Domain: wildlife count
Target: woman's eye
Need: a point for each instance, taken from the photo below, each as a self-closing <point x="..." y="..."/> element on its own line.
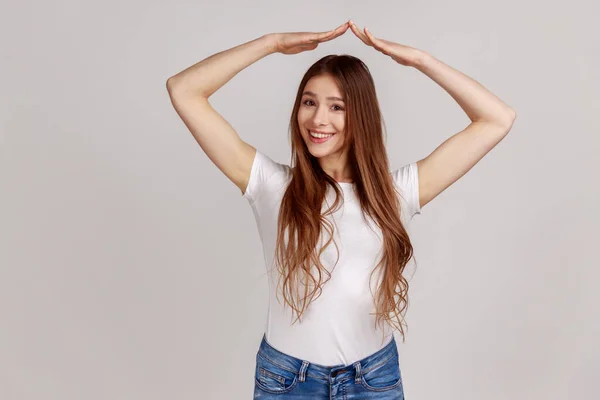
<point x="339" y="108"/>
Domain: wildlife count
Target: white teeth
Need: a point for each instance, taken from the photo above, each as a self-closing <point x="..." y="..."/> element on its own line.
<point x="319" y="135"/>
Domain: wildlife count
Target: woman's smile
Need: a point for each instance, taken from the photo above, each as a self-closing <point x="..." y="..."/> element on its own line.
<point x="319" y="137"/>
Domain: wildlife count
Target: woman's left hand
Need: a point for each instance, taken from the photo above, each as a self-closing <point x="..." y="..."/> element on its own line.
<point x="405" y="55"/>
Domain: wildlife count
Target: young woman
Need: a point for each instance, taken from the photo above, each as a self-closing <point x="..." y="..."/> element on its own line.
<point x="335" y="219"/>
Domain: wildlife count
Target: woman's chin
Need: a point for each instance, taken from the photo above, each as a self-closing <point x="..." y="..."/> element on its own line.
<point x="320" y="153"/>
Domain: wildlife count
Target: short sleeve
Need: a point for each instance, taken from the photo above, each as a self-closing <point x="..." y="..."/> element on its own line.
<point x="407" y="180"/>
<point x="263" y="169"/>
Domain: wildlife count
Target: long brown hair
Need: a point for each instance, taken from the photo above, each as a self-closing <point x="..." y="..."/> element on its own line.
<point x="300" y="220"/>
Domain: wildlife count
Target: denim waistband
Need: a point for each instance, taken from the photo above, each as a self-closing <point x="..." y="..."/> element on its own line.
<point x="328" y="373"/>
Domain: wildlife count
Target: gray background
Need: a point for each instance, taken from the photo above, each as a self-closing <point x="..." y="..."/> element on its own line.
<point x="131" y="268"/>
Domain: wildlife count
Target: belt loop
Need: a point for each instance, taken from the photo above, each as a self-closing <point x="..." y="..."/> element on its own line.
<point x="303" y="370"/>
<point x="358" y="372"/>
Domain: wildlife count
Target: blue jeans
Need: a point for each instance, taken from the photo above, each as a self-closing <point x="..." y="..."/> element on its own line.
<point x="279" y="375"/>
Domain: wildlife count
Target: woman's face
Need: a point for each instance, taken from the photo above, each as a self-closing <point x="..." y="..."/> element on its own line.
<point x="322" y="109"/>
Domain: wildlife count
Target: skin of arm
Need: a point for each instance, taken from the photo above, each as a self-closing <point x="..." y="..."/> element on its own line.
<point x="476" y="101"/>
<point x="491" y="119"/>
<point x="209" y="75"/>
<point x="190" y="90"/>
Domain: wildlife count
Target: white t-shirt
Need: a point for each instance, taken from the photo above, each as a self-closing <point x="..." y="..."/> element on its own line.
<point x="336" y="328"/>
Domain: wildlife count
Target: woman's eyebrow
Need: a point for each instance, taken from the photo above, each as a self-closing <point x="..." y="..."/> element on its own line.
<point x="328" y="98"/>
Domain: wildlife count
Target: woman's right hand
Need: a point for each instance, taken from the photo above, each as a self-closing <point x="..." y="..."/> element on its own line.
<point x="297" y="42"/>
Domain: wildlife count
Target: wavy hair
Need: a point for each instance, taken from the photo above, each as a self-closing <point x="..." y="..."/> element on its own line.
<point x="301" y="221"/>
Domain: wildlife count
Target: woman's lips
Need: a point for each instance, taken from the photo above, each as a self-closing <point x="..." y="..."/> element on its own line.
<point x="319" y="140"/>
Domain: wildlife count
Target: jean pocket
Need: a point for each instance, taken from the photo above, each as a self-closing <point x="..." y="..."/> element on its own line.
<point x="385" y="376"/>
<point x="272" y="378"/>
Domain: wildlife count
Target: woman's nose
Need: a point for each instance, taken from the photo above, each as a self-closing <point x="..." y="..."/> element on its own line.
<point x="320" y="117"/>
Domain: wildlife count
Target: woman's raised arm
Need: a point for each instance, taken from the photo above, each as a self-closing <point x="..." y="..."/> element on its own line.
<point x="190" y="89"/>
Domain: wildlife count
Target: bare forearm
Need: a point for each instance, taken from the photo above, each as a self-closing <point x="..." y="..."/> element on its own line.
<point x="207" y="76"/>
<point x="478" y="103"/>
